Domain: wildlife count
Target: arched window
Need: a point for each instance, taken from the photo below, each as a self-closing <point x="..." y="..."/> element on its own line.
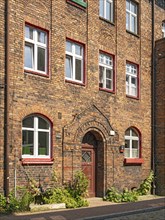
<point x="36" y="137"/>
<point x="132" y="148"/>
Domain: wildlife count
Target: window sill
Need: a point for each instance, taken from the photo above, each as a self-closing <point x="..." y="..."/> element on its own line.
<point x="132" y="97"/>
<point x="108" y="21"/>
<point x="36" y="73"/>
<point x="74" y="82"/>
<point x="133" y="161"/>
<point x="78" y="3"/>
<point x="132" y="33"/>
<point x="106" y="90"/>
<point x="27" y="161"/>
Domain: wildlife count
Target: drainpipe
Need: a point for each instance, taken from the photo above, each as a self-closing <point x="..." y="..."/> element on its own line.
<point x="153" y="94"/>
<point x="6" y="104"/>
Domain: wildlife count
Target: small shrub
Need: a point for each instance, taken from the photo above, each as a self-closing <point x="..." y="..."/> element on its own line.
<point x="79" y="185"/>
<point x="130" y="195"/>
<point x="113" y="195"/>
<point x="2" y="203"/>
<point x="145" y="186"/>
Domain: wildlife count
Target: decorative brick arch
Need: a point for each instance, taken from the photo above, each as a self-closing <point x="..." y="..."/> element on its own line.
<point x="89" y="119"/>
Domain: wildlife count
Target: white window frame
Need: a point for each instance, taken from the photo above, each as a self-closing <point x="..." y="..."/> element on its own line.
<point x="106" y="61"/>
<point x="36" y="131"/>
<point x="35" y="44"/>
<point x="105" y="5"/>
<point x="132" y="15"/>
<point x="163" y="29"/>
<point x="73" y="59"/>
<point x="132" y="73"/>
<point x="132" y="138"/>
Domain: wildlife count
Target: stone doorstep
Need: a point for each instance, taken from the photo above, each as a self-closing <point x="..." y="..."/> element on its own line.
<point x="45" y="207"/>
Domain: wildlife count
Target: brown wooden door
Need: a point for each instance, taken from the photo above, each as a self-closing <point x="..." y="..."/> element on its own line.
<point x="88" y="167"/>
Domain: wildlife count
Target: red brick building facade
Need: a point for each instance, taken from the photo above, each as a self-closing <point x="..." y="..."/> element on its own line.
<point x="75" y="89"/>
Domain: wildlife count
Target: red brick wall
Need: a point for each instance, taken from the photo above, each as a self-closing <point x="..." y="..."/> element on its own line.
<point x="50" y="96"/>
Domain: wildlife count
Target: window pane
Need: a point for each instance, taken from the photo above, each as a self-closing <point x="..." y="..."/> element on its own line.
<point x="133" y="24"/>
<point x="133" y="8"/>
<point x="68" y="46"/>
<point x="108" y="74"/>
<point x="134" y="133"/>
<point x="41" y="37"/>
<point x="133" y="81"/>
<point x="28" y="122"/>
<point x="127" y="133"/>
<point x="108" y="16"/>
<point x="127" y="20"/>
<point x="101" y="8"/>
<point x="135" y="152"/>
<point x="27" y="142"/>
<point x="29" y="32"/>
<point x="101" y="71"/>
<point x="28" y="56"/>
<point x="68" y="67"/>
<point x="108" y="84"/>
<point x="127" y="148"/>
<point x="78" y="70"/>
<point x="128" y="4"/>
<point x="43" y="143"/>
<point x="78" y="49"/>
<point x="41" y="59"/>
<point x="43" y="124"/>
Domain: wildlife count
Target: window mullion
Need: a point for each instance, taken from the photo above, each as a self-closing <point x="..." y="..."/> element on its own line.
<point x="35" y="136"/>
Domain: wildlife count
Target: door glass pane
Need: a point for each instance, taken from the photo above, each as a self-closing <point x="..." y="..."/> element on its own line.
<point x="43" y="143"/>
<point x="86" y="156"/>
<point x="78" y="70"/>
<point x="28" y="122"/>
<point x="41" y="59"/>
<point x="68" y="66"/>
<point x="28" y="57"/>
<point x="27" y="142"/>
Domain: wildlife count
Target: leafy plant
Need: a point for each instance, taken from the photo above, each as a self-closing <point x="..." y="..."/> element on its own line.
<point x="78" y="187"/>
<point x="145" y="186"/>
<point x="130" y="195"/>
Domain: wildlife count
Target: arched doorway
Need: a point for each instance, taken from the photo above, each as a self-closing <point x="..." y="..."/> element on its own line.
<point x="93" y="162"/>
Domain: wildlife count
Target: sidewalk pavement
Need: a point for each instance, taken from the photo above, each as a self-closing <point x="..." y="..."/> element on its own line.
<point x="98" y="210"/>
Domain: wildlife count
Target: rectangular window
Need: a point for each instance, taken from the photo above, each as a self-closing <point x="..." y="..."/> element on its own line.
<point x="131" y="16"/>
<point x="74" y="62"/>
<point x="132" y="80"/>
<point x="106" y="9"/>
<point x="106" y="71"/>
<point x="35" y="52"/>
